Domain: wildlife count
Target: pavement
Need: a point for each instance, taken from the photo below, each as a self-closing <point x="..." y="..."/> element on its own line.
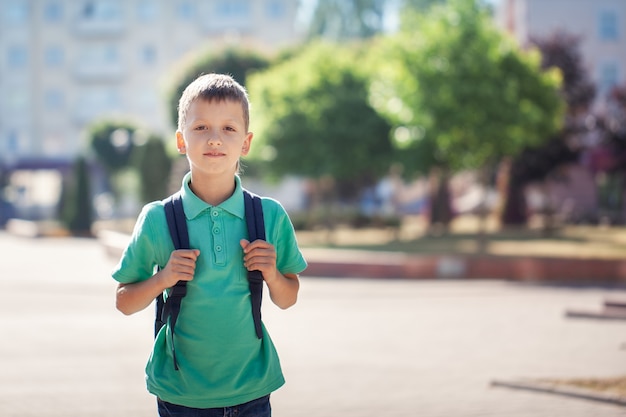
<point x="352" y="346"/>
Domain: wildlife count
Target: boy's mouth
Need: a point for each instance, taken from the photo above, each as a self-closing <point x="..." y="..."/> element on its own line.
<point x="213" y="153"/>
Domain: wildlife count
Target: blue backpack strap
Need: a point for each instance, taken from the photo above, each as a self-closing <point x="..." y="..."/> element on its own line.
<point x="177" y="224"/>
<point x="256" y="230"/>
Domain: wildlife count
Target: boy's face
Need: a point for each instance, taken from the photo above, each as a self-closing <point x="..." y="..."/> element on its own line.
<point x="214" y="136"/>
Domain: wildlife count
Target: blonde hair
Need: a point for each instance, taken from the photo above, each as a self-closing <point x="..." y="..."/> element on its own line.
<point x="213" y="87"/>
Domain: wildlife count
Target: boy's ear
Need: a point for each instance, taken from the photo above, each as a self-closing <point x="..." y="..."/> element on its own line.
<point x="180" y="143"/>
<point x="246" y="144"/>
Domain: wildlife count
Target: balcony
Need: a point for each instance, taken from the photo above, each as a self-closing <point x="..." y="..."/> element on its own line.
<point x="88" y="72"/>
<point x="85" y="27"/>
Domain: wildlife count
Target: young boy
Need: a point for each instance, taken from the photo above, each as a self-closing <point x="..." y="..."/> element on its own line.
<point x="223" y="367"/>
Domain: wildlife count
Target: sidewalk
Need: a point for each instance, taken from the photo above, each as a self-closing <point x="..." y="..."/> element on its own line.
<point x="352" y="347"/>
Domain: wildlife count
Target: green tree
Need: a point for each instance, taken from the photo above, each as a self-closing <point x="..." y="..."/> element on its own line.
<point x="112" y="142"/>
<point x="234" y="61"/>
<point x="419" y="5"/>
<point x="312" y="118"/>
<point x="347" y="19"/>
<point x="410" y="6"/>
<point x="461" y="95"/>
<point x="153" y="165"/>
<point x="77" y="210"/>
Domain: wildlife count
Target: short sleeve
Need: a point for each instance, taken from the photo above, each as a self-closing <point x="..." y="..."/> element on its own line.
<point x="289" y="258"/>
<point x="145" y="250"/>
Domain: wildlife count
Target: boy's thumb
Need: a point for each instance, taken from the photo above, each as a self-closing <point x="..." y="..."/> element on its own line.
<point x="244" y="243"/>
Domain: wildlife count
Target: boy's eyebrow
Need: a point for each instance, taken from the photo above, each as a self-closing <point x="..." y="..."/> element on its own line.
<point x="200" y="119"/>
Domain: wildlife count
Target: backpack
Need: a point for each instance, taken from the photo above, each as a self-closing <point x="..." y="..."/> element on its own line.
<point x="177" y="224"/>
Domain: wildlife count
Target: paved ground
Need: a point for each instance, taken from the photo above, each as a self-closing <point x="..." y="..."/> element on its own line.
<point x="350" y="347"/>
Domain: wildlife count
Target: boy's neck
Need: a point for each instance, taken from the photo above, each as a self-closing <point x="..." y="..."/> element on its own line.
<point x="213" y="191"/>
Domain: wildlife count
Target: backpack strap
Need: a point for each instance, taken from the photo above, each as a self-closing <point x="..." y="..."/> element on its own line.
<point x="177" y="224"/>
<point x="170" y="307"/>
<point x="256" y="230"/>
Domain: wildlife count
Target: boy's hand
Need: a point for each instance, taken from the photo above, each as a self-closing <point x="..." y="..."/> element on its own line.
<point x="180" y="267"/>
<point x="260" y="255"/>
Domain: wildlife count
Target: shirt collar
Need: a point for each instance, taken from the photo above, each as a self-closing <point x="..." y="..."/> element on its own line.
<point x="194" y="206"/>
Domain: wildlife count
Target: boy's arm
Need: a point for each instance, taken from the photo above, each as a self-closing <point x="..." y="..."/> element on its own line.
<point x="261" y="255"/>
<point x="134" y="297"/>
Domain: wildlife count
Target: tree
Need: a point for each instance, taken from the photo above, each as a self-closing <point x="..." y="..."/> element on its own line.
<point x="615" y="118"/>
<point x="611" y="125"/>
<point x="312" y="118"/>
<point x="236" y="62"/>
<point x="461" y="95"/>
<point x="153" y="165"/>
<point x="535" y="163"/>
<point x="77" y="210"/>
<point x="339" y="20"/>
<point x="562" y="50"/>
<point x="419" y="5"/>
<point x="112" y="143"/>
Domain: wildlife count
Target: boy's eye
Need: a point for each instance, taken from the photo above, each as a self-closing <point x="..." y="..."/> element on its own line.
<point x="230" y="128"/>
<point x="201" y="127"/>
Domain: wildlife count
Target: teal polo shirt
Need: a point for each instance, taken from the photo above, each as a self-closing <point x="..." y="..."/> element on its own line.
<point x="221" y="361"/>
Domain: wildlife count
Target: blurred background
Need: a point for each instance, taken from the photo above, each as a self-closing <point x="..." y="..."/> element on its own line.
<point x="366" y="113"/>
<point x="391" y="125"/>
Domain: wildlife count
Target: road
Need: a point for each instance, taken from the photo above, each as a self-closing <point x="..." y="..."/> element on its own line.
<point x="350" y="347"/>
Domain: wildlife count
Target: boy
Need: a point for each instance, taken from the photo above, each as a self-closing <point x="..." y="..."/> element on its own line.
<point x="223" y="367"/>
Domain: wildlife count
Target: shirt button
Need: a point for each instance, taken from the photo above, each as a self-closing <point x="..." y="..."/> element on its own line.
<point x="218" y="248"/>
<point x="215" y="213"/>
<point x="216" y="231"/>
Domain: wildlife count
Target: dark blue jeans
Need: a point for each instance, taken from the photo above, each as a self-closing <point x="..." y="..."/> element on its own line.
<point x="255" y="408"/>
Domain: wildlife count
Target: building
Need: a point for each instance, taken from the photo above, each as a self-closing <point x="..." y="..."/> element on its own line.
<point x="601" y="24"/>
<point x="66" y="63"/>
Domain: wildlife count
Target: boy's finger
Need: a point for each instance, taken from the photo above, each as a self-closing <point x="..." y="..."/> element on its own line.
<point x="189" y="253"/>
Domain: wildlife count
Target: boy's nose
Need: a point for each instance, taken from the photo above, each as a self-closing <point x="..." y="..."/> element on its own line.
<point x="214" y="139"/>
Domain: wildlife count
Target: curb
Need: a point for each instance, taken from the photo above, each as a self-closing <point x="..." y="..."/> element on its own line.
<point x="345" y="263"/>
<point x="560" y="389"/>
<point x="365" y="264"/>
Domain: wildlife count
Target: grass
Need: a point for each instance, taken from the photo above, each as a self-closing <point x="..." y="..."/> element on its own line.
<point x="464" y="237"/>
<point x="610" y="386"/>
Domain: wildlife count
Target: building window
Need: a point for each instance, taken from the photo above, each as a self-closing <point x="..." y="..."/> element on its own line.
<point x="13" y="143"/>
<point x="235" y="9"/>
<point x="147" y="11"/>
<point x="608" y="77"/>
<point x="185" y="10"/>
<point x="17" y="57"/>
<point x="15" y="11"/>
<point x="148" y="55"/>
<point x="100" y="100"/>
<point x="110" y="54"/>
<point x="53" y="11"/>
<point x="54" y="56"/>
<point x="275" y="9"/>
<point x="54" y="99"/>
<point x="607" y="26"/>
<point x="100" y="55"/>
<point x="101" y="10"/>
<point x="17" y="100"/>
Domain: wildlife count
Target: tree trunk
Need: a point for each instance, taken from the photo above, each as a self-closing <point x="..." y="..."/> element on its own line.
<point x="513" y="208"/>
<point x="440" y="204"/>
